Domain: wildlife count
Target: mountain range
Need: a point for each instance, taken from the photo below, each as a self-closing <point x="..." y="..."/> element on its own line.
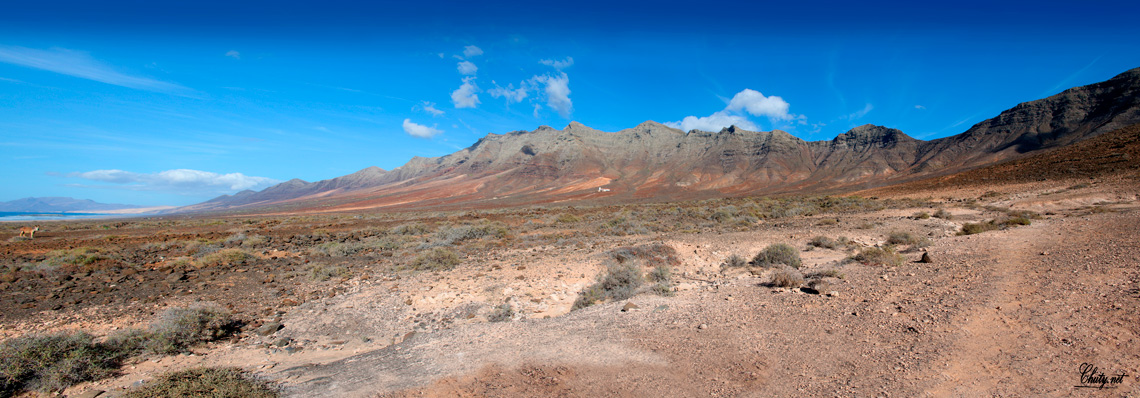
<point x="59" y="205"/>
<point x="655" y="162"/>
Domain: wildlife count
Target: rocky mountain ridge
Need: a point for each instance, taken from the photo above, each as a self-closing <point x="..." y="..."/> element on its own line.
<point x="655" y="162"/>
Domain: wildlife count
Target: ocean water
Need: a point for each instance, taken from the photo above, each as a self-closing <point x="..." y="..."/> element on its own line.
<point x="18" y="216"/>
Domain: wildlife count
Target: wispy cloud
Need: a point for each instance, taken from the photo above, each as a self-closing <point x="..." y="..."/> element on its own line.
<point x="512" y="94"/>
<point x="233" y="54"/>
<point x="860" y="113"/>
<point x="560" y="65"/>
<point x="419" y="130"/>
<point x="179" y="181"/>
<point x="429" y="107"/>
<point x="82" y="65"/>
<point x="919" y="107"/>
<point x="747" y="102"/>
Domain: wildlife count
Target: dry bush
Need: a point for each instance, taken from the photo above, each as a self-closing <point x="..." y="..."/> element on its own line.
<point x="735" y="261"/>
<point x="654" y="253"/>
<point x="977" y="228"/>
<point x="323" y="272"/>
<point x="227" y="258"/>
<point x="943" y="214"/>
<point x="907" y="238"/>
<point x="824" y="242"/>
<point x="787" y="277"/>
<point x="879" y="256"/>
<point x="922" y="215"/>
<point x="205" y="382"/>
<point x="437" y="259"/>
<point x="176" y="329"/>
<point x="776" y="254"/>
<point x="415" y="228"/>
<point x="502" y="313"/>
<point x="53" y="362"/>
<point x="619" y="281"/>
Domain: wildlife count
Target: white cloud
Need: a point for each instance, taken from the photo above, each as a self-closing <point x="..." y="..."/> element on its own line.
<point x="233" y="54"/>
<point x="757" y="104"/>
<point x="919" y="107"/>
<point x="181" y="181"/>
<point x="747" y="102"/>
<point x="82" y="65"/>
<point x="557" y="92"/>
<point x="467" y="68"/>
<point x="429" y="107"/>
<point x="419" y="130"/>
<point x="471" y="51"/>
<point x="560" y="65"/>
<point x="512" y="94"/>
<point x="714" y="122"/>
<point x="466" y="95"/>
<point x="860" y="113"/>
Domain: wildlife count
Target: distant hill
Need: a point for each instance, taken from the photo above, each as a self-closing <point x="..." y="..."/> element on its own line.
<point x="655" y="162"/>
<point x="60" y="204"/>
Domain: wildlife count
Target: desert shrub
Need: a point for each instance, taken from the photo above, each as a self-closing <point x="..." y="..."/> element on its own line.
<point x="1028" y="214"/>
<point x="943" y="214"/>
<point x="787" y="277"/>
<point x="778" y="253"/>
<point x="824" y="242"/>
<point x="654" y="253"/>
<point x="566" y="218"/>
<point x="619" y="281"/>
<point x="827" y="221"/>
<point x="410" y="229"/>
<point x="53" y="362"/>
<point x="1078" y="186"/>
<point x="880" y="256"/>
<point x="922" y="215"/>
<point x="323" y="272"/>
<point x="437" y="259"/>
<point x="662" y="278"/>
<point x="907" y="238"/>
<point x="1016" y="221"/>
<point x="832" y="273"/>
<point x="178" y="328"/>
<point x="735" y="261"/>
<point x="977" y="228"/>
<point x="227" y="258"/>
<point x="82" y="256"/>
<point x="724" y="214"/>
<point x="501" y="313"/>
<point x="621" y="226"/>
<point x="236" y="239"/>
<point x="453" y="235"/>
<point x="205" y="382"/>
<point x="867" y="225"/>
<point x="254" y="241"/>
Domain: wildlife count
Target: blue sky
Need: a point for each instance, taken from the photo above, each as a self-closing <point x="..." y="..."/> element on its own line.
<point x="174" y="103"/>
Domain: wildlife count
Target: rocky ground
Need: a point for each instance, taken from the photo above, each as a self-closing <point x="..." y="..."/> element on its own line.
<point x="1007" y="312"/>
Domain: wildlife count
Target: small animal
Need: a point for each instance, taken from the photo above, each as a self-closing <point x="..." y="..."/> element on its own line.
<point x="30" y="231"/>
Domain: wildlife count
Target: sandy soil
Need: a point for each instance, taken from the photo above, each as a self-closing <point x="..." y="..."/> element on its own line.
<point x="1013" y="312"/>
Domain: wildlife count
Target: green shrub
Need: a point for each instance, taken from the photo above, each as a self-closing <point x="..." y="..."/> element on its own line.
<point x="884" y="256"/>
<point x="437" y="259"/>
<point x="82" y="256"/>
<point x="787" y="277"/>
<point x="1019" y="220"/>
<point x="778" y="253"/>
<point x="461" y="233"/>
<point x="620" y="281"/>
<point x="53" y="362"/>
<point x="179" y="328"/>
<point x="227" y="258"/>
<point x="922" y="215"/>
<point x="205" y="382"/>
